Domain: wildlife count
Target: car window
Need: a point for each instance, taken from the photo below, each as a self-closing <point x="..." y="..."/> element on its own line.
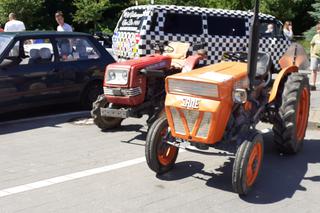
<point x="76" y="49"/>
<point x="183" y="24"/>
<point x="14" y="52"/>
<point x="37" y="51"/>
<point x="4" y="43"/>
<point x="267" y="29"/>
<point x="226" y="26"/>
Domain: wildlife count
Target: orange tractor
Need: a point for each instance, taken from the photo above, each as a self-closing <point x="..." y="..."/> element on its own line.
<point x="223" y="103"/>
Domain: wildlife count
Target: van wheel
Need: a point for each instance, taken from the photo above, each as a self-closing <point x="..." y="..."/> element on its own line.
<point x="102" y="122"/>
<point x="160" y="156"/>
<point x="90" y="94"/>
<point x="247" y="163"/>
<point x="291" y="123"/>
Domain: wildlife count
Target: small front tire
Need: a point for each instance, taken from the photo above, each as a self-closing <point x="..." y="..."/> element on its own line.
<point x="160" y="156"/>
<point x="103" y="123"/>
<point x="247" y="163"/>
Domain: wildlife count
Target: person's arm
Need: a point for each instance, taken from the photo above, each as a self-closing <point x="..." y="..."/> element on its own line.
<point x="5" y="28"/>
<point x="23" y="27"/>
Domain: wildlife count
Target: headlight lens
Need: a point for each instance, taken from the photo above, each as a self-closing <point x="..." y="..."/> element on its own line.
<point x="193" y="88"/>
<point x="115" y="76"/>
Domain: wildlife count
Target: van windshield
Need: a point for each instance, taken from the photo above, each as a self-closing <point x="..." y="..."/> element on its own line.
<point x="4" y="41"/>
<point x="131" y="20"/>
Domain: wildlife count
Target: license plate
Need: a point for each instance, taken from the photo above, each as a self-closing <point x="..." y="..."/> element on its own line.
<point x="190" y="103"/>
<point x="114" y="113"/>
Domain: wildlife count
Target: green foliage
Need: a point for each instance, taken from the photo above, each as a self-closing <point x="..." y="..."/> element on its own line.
<point x="89" y="11"/>
<point x="89" y="15"/>
<point x="25" y="10"/>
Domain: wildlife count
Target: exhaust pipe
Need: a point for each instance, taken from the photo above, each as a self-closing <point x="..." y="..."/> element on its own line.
<point x="253" y="45"/>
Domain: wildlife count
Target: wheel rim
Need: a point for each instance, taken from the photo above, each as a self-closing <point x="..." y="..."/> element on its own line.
<point x="254" y="164"/>
<point x="302" y="114"/>
<point x="165" y="152"/>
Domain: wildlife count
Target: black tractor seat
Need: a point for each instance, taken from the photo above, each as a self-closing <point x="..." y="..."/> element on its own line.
<point x="263" y="64"/>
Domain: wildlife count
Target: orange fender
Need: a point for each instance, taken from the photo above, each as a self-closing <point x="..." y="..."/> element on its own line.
<point x="284" y="72"/>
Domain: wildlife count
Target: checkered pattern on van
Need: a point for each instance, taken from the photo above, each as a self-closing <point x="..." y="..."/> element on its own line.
<point x="215" y="45"/>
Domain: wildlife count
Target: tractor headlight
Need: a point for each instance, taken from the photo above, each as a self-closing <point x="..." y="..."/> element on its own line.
<point x="240" y="96"/>
<point x="193" y="88"/>
<point x="117" y="76"/>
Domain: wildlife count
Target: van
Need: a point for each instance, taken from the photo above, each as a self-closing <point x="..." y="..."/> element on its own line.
<point x="221" y="31"/>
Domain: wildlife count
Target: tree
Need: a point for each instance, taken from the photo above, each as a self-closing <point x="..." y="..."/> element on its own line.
<point x="26" y="11"/>
<point x="89" y="11"/>
<point x="315" y="14"/>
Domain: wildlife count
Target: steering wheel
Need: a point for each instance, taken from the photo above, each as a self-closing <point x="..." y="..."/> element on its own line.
<point x="236" y="56"/>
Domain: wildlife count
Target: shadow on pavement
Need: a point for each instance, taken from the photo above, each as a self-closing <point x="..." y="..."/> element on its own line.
<point x="280" y="177"/>
<point x="182" y="170"/>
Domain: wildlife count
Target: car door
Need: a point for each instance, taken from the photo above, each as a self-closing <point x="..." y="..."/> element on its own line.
<point x="79" y="61"/>
<point x="35" y="74"/>
<point x="10" y="96"/>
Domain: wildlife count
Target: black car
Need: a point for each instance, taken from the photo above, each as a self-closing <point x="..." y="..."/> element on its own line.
<point x="41" y="68"/>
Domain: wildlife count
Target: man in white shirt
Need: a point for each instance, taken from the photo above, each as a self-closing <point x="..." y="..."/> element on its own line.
<point x="14" y="25"/>
<point x="62" y="27"/>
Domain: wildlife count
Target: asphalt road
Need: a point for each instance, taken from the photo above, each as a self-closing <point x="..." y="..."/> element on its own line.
<point x="61" y="164"/>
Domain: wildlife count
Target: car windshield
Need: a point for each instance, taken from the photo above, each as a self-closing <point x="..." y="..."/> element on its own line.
<point x="4" y="41"/>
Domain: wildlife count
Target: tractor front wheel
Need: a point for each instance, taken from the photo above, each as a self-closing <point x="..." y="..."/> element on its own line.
<point x="247" y="163"/>
<point x="160" y="156"/>
<point x="291" y="123"/>
<point x="102" y="122"/>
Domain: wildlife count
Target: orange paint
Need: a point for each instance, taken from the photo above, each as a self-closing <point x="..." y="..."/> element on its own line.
<point x="280" y="77"/>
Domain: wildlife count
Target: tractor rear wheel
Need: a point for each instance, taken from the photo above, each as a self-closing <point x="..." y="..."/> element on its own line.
<point x="102" y="122"/>
<point x="247" y="164"/>
<point x="160" y="156"/>
<point x="291" y="123"/>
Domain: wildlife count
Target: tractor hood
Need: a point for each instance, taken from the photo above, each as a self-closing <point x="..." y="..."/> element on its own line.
<point x="199" y="103"/>
<point x="217" y="73"/>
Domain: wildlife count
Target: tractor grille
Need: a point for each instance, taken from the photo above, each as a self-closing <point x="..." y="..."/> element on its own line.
<point x="205" y="125"/>
<point x="178" y="125"/>
<point x="122" y="92"/>
<point x="191" y="117"/>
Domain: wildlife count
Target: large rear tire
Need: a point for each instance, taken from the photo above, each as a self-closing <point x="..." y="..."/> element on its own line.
<point x="291" y="124"/>
<point x="160" y="156"/>
<point x="103" y="123"/>
<point x="247" y="164"/>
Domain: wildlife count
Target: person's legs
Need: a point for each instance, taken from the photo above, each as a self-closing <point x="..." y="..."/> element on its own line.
<point x="314" y="67"/>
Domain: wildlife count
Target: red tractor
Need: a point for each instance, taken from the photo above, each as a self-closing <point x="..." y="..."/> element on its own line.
<point x="136" y="87"/>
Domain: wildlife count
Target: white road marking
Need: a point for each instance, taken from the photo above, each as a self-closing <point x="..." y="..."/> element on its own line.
<point x="69" y="177"/>
<point x="77" y="175"/>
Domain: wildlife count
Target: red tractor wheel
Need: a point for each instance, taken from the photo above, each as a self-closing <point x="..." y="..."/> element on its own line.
<point x="160" y="156"/>
<point x="247" y="163"/>
<point x="291" y="124"/>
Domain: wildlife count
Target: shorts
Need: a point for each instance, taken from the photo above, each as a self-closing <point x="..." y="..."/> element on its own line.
<point x="315" y="64"/>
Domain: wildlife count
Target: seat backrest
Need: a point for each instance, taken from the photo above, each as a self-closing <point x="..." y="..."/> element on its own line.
<point x="81" y="49"/>
<point x="34" y="55"/>
<point x="263" y="64"/>
<point x="180" y="50"/>
<point x="45" y="53"/>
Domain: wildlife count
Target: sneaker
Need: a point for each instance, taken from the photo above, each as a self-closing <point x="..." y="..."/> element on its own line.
<point x="313" y="88"/>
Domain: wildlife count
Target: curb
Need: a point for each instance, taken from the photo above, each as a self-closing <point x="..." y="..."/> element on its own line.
<point x="314" y="125"/>
<point x="55" y="116"/>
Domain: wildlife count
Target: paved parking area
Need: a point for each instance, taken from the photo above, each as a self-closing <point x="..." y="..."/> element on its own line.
<point x="53" y="165"/>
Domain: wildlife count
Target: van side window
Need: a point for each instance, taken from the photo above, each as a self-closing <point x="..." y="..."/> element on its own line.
<point x="153" y="22"/>
<point x="267" y="29"/>
<point x="183" y="24"/>
<point x="226" y="26"/>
